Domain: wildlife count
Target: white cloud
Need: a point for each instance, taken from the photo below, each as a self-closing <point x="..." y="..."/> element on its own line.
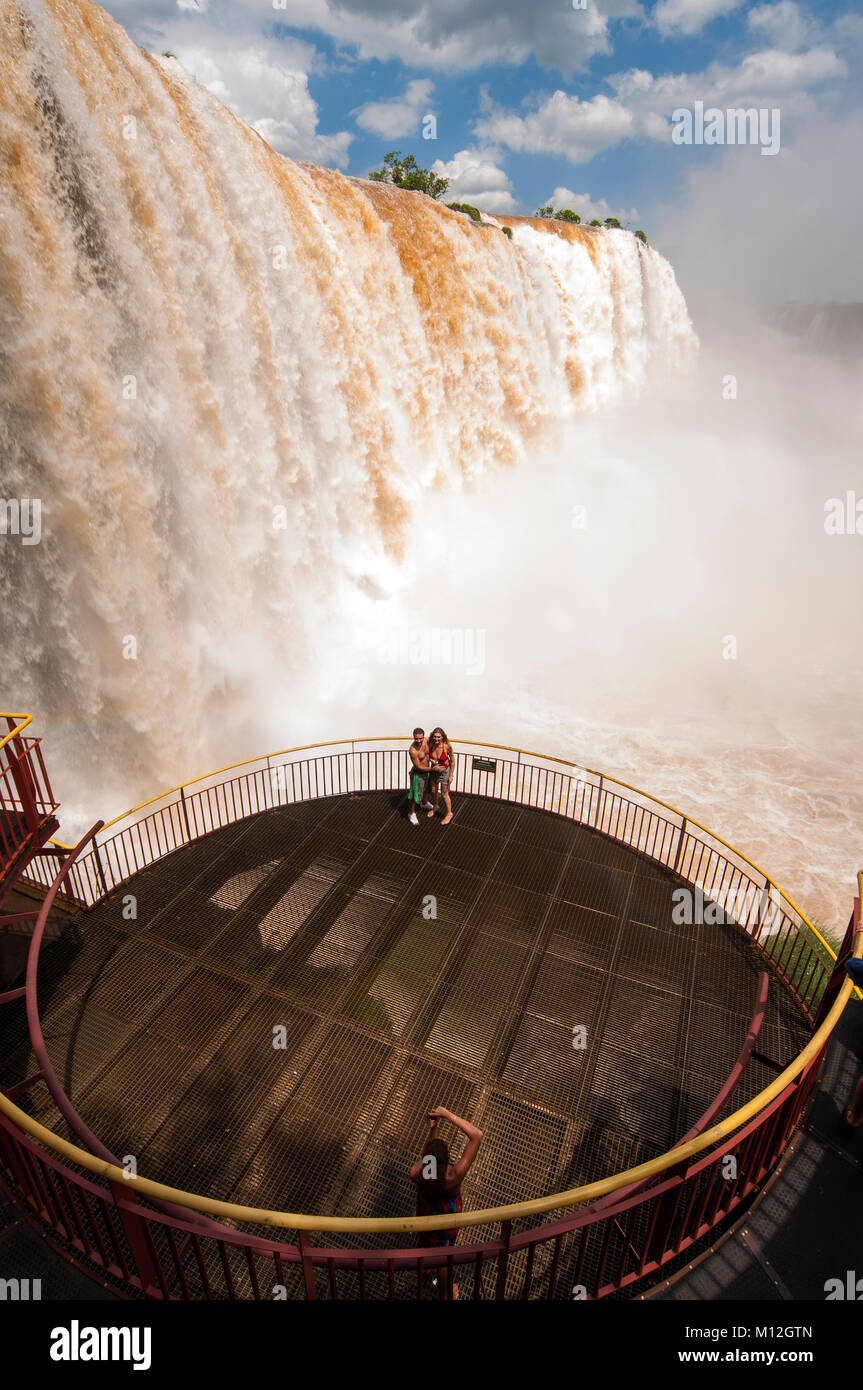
<point x="774" y="73"/>
<point x="770" y="229"/>
<point x="288" y="138"/>
<point x="450" y="34"/>
<point x="396" y="117"/>
<point x="848" y="30"/>
<point x="761" y="79"/>
<point x="642" y="104"/>
<point x="474" y="177"/>
<point x="562" y="124"/>
<point x="689" y="16"/>
<point x="788" y="26"/>
<point x="266" y="80"/>
<point x="268" y="88"/>
<point x="587" y="209"/>
<point x="431" y="34"/>
<point x="147" y="24"/>
<point x="784" y="25"/>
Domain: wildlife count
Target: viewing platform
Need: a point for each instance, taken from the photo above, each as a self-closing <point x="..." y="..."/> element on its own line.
<point x="273" y="976"/>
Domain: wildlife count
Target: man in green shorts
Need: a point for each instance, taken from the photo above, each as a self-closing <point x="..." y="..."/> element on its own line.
<point x="419" y="751"/>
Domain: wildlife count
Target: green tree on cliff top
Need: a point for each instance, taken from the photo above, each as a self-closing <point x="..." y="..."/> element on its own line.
<point x="404" y="172"/>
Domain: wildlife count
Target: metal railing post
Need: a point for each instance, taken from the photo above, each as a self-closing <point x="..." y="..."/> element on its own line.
<point x="308" y="1267"/>
<point x="135" y="1233"/>
<point x="503" y="1261"/>
<point x="598" y="816"/>
<point x="14" y="1154"/>
<point x="662" y="1222"/>
<point x="185" y="814"/>
<point x="763" y="901"/>
<point x="102" y="877"/>
<point x="679" y="845"/>
<point x="18" y="762"/>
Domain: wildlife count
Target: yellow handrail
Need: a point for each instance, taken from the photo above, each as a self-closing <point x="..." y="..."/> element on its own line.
<point x="513" y="1211"/>
<point x="500" y="747"/>
<point x="536" y="1207"/>
<point x="13" y="733"/>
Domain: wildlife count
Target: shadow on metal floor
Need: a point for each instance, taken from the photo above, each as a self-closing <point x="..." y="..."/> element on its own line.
<point x="397" y="967"/>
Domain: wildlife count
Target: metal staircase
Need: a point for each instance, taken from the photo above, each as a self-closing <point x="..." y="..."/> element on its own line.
<point x="27" y="814"/>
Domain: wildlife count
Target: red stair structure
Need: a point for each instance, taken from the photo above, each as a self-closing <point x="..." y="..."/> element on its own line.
<point x="27" y="810"/>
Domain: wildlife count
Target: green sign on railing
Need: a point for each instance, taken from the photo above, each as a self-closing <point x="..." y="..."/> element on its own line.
<point x="485" y="764"/>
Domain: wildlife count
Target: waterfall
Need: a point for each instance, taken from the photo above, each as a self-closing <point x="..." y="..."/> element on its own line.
<point x="232" y="379"/>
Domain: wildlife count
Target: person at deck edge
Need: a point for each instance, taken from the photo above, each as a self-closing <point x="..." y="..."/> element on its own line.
<point x="438" y="1180"/>
<point x="419" y="754"/>
<point x="441" y="762"/>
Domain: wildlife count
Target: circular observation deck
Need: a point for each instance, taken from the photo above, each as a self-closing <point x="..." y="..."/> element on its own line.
<point x="265" y="1013"/>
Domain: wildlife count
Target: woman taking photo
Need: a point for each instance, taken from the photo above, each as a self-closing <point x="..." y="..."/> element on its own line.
<point x="439" y="1180"/>
<point x="441" y="761"/>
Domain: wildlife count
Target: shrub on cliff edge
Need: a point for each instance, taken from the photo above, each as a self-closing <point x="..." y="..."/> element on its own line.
<point x="404" y="172"/>
<point x="472" y="212"/>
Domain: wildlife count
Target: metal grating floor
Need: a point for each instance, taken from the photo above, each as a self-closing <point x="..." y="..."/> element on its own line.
<point x="298" y="989"/>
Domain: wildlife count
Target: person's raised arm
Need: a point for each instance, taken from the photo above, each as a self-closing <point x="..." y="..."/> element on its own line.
<point x="474" y="1136"/>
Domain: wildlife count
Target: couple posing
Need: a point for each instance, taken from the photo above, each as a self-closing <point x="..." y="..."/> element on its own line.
<point x="432" y="761"/>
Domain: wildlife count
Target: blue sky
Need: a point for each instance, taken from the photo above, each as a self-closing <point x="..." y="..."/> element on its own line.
<point x="535" y="100"/>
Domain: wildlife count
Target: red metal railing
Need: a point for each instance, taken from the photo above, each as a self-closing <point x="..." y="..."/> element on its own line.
<point x="27" y="803"/>
<point x="46" y="1073"/>
<point x="605" y="1247"/>
<point x="589" y="1254"/>
<point x="645" y="1218"/>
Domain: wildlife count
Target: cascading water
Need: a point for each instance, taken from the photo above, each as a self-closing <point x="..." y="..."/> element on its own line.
<point x="231" y="378"/>
<point x="271" y="412"/>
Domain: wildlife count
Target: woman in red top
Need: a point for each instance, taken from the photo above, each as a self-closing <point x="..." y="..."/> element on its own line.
<point x="441" y="760"/>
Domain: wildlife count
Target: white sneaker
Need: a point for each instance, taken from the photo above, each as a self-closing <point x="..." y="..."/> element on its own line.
<point x="427" y="806"/>
<point x="413" y="818"/>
